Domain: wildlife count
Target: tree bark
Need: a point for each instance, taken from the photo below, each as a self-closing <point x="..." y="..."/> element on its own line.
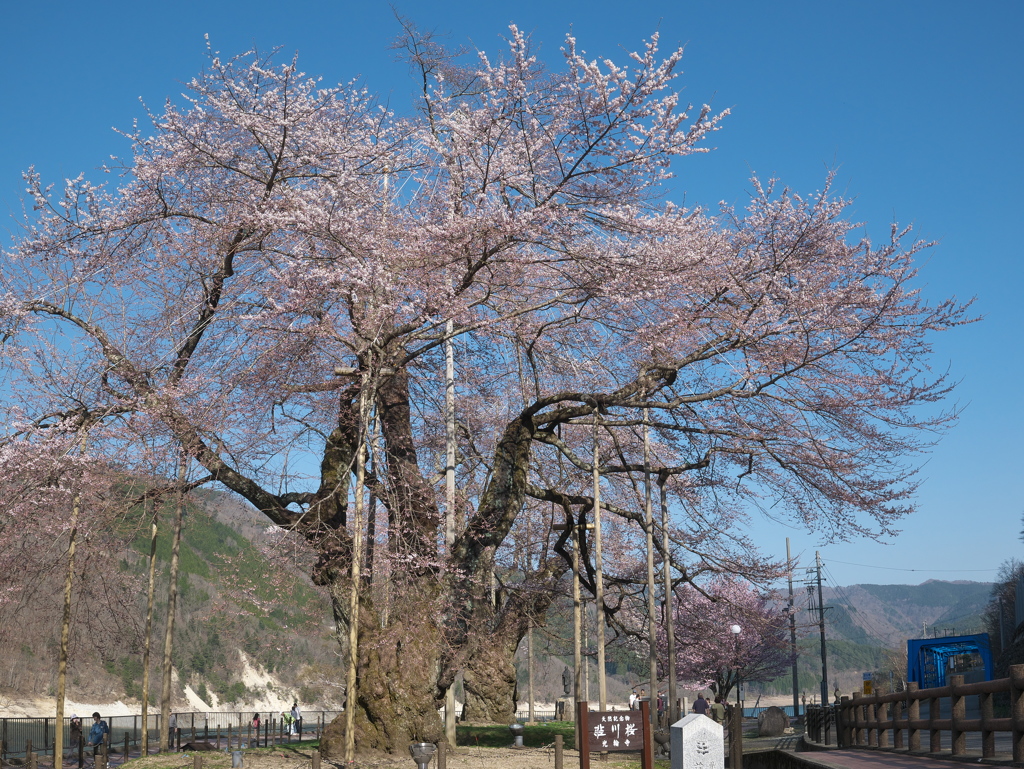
<point x="398" y="696"/>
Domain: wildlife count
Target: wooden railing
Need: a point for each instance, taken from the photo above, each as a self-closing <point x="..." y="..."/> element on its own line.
<point x="868" y="721"/>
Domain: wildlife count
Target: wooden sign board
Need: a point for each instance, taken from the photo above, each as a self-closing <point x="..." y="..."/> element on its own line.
<point x="616" y="731"/>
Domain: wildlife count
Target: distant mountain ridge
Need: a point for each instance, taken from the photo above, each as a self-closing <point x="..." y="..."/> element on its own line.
<point x="887" y="615"/>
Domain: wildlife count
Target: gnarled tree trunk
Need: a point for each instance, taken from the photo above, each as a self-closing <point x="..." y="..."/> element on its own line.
<point x="397" y="697"/>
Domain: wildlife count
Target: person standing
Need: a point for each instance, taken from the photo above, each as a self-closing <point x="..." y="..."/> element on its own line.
<point x="75" y="735"/>
<point x="296" y="719"/>
<point x="632" y="700"/>
<point x="97" y="733"/>
<point x="701" y="705"/>
<point x="718" y="711"/>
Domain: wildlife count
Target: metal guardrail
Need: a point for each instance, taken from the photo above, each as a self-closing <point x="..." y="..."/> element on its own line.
<point x="18" y="733"/>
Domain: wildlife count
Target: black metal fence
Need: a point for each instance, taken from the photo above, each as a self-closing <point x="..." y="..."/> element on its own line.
<point x="223" y="730"/>
<point x="820" y="723"/>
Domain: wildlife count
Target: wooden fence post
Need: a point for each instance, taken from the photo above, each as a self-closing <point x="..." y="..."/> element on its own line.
<point x="958" y="712"/>
<point x="126" y="743"/>
<point x="870" y="717"/>
<point x="913" y="714"/>
<point x="988" y="737"/>
<point x="316" y="760"/>
<point x="882" y="715"/>
<point x="46" y="734"/>
<point x="442" y="755"/>
<point x="1017" y="710"/>
<point x="229" y="735"/>
<point x="858" y="734"/>
<point x="197" y="761"/>
<point x="896" y="713"/>
<point x="558" y="751"/>
<point x="934" y="735"/>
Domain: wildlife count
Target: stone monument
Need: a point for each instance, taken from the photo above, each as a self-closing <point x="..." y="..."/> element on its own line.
<point x="772" y="722"/>
<point x="697" y="743"/>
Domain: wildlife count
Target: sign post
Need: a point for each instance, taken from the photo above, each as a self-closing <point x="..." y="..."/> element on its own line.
<point x="615" y="731"/>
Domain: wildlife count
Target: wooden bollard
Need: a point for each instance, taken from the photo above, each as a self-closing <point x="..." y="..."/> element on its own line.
<point x="558" y="751"/>
<point x="126" y="743"/>
<point x="266" y="733"/>
<point x="229" y="736"/>
<point x="316" y="759"/>
<point x="33" y="760"/>
<point x="442" y="755"/>
<point x="197" y="761"/>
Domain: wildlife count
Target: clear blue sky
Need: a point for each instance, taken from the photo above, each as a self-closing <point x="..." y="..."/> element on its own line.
<point x="918" y="105"/>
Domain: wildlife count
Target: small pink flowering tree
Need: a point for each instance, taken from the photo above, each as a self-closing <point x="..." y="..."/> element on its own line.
<point x="268" y="280"/>
<point x="708" y="654"/>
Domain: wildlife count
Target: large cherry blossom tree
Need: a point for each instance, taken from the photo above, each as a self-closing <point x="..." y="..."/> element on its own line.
<point x="267" y="280"/>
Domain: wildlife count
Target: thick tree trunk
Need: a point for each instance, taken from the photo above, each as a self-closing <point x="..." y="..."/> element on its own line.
<point x="397" y="698"/>
<point x="490" y="680"/>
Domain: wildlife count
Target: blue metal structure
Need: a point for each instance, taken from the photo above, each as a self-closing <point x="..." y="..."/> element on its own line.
<point x="928" y="658"/>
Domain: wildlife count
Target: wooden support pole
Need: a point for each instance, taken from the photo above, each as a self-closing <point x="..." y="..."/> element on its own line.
<point x="736" y="741"/>
<point x="647" y="754"/>
<point x="582" y="738"/>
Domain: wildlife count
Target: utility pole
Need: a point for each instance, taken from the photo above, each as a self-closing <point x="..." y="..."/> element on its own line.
<point x="792" y="633"/>
<point x="821" y="626"/>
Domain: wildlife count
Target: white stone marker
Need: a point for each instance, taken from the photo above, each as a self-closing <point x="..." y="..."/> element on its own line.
<point x="697" y="743"/>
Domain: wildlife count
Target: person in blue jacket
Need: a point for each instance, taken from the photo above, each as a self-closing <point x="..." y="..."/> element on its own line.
<point x="97" y="733"/>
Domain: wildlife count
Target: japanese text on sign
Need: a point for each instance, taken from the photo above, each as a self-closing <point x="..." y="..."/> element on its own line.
<point x="615" y="730"/>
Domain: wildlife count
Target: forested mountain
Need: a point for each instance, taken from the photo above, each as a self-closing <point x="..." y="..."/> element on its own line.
<point x="250" y="626"/>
